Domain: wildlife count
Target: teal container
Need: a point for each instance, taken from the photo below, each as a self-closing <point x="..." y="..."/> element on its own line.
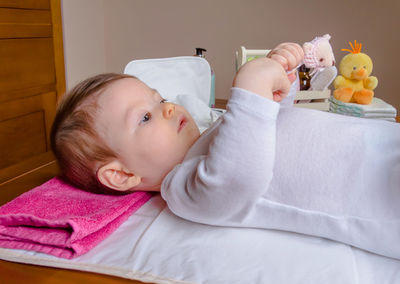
<point x="199" y="53"/>
<point x="212" y="93"/>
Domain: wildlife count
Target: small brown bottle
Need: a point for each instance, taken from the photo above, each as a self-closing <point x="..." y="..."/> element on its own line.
<point x="304" y="77"/>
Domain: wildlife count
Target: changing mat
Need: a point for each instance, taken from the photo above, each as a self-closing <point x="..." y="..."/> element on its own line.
<point x="154" y="245"/>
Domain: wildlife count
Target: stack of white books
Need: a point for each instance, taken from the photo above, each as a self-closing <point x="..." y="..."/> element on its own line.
<point x="378" y="109"/>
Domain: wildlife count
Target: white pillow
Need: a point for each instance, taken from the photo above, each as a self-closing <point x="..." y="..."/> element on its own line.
<point x="175" y="75"/>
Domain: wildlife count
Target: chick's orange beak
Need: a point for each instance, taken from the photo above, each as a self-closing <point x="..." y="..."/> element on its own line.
<point x="359" y="74"/>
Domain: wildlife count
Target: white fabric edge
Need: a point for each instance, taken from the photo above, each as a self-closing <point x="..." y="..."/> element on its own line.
<point x="15" y="255"/>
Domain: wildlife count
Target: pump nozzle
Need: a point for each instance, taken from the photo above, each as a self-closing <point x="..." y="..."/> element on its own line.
<point x="199" y="51"/>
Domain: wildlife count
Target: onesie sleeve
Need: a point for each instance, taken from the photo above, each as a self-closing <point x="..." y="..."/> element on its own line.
<point x="221" y="186"/>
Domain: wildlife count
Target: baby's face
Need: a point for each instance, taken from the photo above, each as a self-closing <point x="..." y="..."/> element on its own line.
<point x="149" y="135"/>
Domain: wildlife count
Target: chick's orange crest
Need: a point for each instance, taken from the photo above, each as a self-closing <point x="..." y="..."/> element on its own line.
<point x="354" y="49"/>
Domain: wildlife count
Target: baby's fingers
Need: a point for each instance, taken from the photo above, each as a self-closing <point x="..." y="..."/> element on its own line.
<point x="277" y="96"/>
<point x="282" y="89"/>
<point x="292" y="77"/>
<point x="296" y="50"/>
<point x="289" y="55"/>
<point x="285" y="58"/>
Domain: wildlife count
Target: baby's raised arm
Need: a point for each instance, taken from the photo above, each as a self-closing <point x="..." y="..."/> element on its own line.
<point x="231" y="165"/>
<point x="266" y="76"/>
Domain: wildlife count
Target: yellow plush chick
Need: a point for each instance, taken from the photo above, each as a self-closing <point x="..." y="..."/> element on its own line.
<point x="354" y="85"/>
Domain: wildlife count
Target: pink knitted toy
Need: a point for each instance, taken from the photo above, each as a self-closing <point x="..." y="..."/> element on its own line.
<point x="319" y="57"/>
<point x="318" y="53"/>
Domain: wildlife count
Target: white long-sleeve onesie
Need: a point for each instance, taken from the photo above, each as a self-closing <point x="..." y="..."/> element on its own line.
<point x="293" y="169"/>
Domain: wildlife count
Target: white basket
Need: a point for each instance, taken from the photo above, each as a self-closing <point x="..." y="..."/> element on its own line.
<point x="311" y="99"/>
<point x="243" y="55"/>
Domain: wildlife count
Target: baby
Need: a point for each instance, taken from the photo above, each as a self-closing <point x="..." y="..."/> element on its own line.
<point x="261" y="165"/>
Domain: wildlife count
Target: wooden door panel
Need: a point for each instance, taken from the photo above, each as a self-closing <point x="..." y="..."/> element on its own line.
<point x="25" y="127"/>
<point x="19" y="23"/>
<point x="28" y="138"/>
<point x="27" y="4"/>
<point x="31" y="79"/>
<point x="26" y="64"/>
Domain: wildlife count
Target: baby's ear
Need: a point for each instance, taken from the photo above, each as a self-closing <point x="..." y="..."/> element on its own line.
<point x="115" y="176"/>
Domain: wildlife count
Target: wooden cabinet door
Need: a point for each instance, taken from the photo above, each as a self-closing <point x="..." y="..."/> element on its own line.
<point x="32" y="77"/>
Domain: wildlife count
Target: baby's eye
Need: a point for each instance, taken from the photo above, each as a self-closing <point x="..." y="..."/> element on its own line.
<point x="163" y="101"/>
<point x="354" y="68"/>
<point x="146" y="117"/>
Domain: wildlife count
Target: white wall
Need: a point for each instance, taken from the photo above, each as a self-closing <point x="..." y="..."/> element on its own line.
<point x="104" y="35"/>
<point x="83" y="32"/>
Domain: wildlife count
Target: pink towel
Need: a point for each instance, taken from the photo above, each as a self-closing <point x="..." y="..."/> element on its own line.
<point x="59" y="219"/>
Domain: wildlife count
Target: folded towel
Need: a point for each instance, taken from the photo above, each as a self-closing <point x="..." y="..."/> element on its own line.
<point x="377" y="109"/>
<point x="59" y="219"/>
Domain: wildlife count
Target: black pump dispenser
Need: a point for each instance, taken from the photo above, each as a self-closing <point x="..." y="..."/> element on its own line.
<point x="199" y="51"/>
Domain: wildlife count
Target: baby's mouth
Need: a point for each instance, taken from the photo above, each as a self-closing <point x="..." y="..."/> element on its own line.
<point x="182" y="123"/>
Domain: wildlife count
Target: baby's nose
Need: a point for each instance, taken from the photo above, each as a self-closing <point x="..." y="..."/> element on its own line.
<point x="169" y="110"/>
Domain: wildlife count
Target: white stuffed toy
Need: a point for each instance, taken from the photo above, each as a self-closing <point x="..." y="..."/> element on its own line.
<point x="319" y="57"/>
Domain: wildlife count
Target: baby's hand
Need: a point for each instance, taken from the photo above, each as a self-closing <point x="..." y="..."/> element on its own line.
<point x="288" y="54"/>
<point x="265" y="77"/>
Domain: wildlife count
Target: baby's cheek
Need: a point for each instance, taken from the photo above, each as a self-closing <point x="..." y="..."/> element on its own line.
<point x="165" y="146"/>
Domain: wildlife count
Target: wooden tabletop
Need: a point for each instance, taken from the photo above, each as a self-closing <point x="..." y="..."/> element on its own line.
<point x="17" y="273"/>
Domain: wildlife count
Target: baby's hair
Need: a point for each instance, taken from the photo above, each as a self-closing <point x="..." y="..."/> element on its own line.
<point x="79" y="149"/>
